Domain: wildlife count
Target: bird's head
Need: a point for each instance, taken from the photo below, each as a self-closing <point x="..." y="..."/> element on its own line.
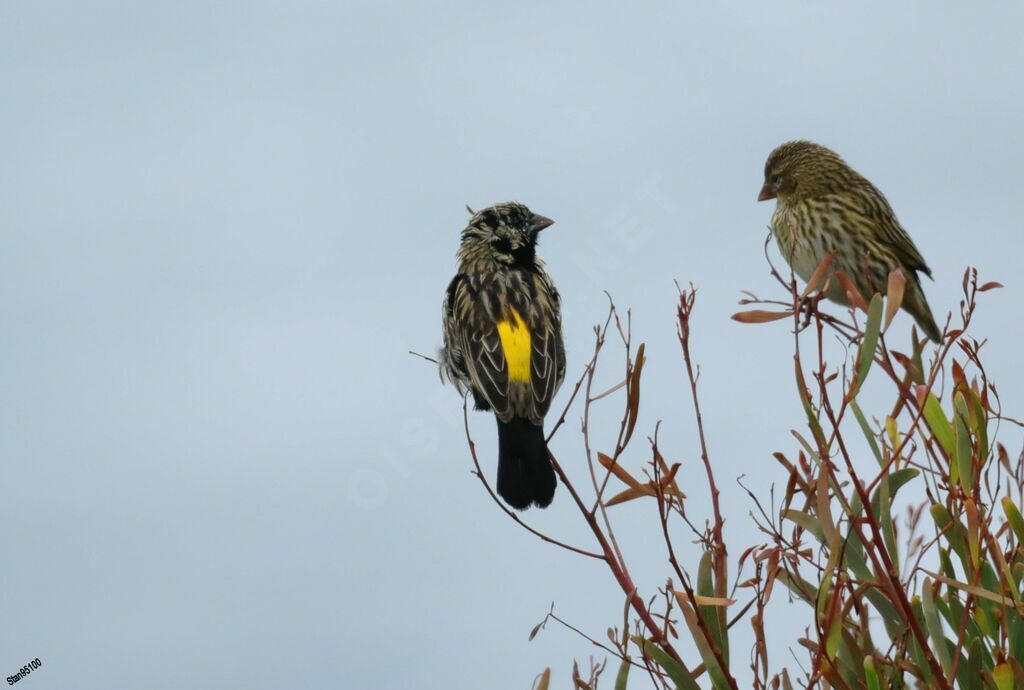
<point x="802" y="169"/>
<point x="502" y="235"/>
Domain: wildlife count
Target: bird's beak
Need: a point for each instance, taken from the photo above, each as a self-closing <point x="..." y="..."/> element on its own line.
<point x="538" y="223"/>
<point x="768" y="191"/>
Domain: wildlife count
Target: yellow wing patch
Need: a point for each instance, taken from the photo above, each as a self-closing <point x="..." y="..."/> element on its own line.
<point x="515" y="342"/>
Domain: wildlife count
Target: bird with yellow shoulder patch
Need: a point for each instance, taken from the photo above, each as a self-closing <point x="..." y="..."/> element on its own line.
<point x="503" y="343"/>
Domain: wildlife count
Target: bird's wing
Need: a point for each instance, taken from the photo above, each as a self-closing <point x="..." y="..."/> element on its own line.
<point x="548" y="365"/>
<point x="488" y="370"/>
<point x="477" y="339"/>
<point x="889" y="231"/>
<point x="453" y="363"/>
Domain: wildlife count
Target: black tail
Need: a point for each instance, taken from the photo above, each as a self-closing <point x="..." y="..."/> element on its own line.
<point x="525" y="474"/>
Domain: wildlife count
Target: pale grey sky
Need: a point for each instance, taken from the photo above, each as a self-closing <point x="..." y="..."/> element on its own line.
<point x="224" y="224"/>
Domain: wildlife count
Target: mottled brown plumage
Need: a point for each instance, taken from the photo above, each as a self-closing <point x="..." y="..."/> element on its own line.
<point x="824" y="205"/>
<point x="503" y="343"/>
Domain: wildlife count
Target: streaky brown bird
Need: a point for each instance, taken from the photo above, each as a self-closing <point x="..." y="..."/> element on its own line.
<point x="503" y="342"/>
<point x="826" y="206"/>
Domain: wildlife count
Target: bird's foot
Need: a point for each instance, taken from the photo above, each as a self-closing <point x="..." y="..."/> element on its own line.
<point x="808" y="307"/>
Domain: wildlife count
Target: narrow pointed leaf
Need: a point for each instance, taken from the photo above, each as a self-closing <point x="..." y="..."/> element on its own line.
<point x="679" y="675"/>
<point x="871" y="673"/>
<point x="964" y="449"/>
<point x="719" y="679"/>
<point x="801" y="386"/>
<point x="866" y="354"/>
<point x="856" y="299"/>
<point x="1013" y="516"/>
<point x="866" y="429"/>
<point x="952" y="530"/>
<point x="617" y="469"/>
<point x="934" y="626"/>
<point x="711" y="606"/>
<point x="633" y="395"/>
<point x="761" y="316"/>
<point x="622" y="678"/>
<point x="885" y="520"/>
<point x="894" y="295"/>
<point x="809" y="523"/>
<point x="818" y="276"/>
<point x="936" y="420"/>
<point x="977" y="591"/>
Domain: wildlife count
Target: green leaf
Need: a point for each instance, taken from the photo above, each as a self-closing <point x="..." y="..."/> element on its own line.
<point x="990" y="581"/>
<point x="714" y="616"/>
<point x="946" y="563"/>
<point x="622" y="678"/>
<point x="866" y="430"/>
<point x="1003" y="675"/>
<point x="897" y="480"/>
<point x="835" y="635"/>
<point x="1016" y="637"/>
<point x="1014" y="518"/>
<point x="884" y="515"/>
<point x="798" y="586"/>
<point x="964" y="447"/>
<point x="810" y="524"/>
<point x="980" y="425"/>
<point x="984" y="659"/>
<point x="953" y="531"/>
<point x="936" y="420"/>
<point x="719" y="679"/>
<point x="679" y="675"/>
<point x="893" y="620"/>
<point x="968" y="673"/>
<point x="915" y="649"/>
<point x="812" y="419"/>
<point x="983" y="622"/>
<point x="849" y="661"/>
<point x="954" y="612"/>
<point x="866" y="355"/>
<point x="855" y="558"/>
<point x="934" y="625"/>
<point x="822" y="596"/>
<point x="872" y="674"/>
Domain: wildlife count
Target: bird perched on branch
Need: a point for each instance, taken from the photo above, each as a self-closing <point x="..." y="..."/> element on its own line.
<point x="824" y="205"/>
<point x="503" y="343"/>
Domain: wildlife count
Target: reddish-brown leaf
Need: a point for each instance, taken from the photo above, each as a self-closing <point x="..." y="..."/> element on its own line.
<point x="991" y="285"/>
<point x="852" y="293"/>
<point x="744" y="555"/>
<point x="631" y="494"/>
<point x="818" y="275"/>
<point x="760" y="316"/>
<point x="617" y="469"/>
<point x="894" y="295"/>
<point x="633" y="395"/>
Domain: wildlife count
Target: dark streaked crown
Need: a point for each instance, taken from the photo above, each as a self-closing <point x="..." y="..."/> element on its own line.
<point x="502" y="234"/>
<point x="804" y="169"/>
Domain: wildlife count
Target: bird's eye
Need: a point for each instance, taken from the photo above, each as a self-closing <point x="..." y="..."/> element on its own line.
<point x="777" y="180"/>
